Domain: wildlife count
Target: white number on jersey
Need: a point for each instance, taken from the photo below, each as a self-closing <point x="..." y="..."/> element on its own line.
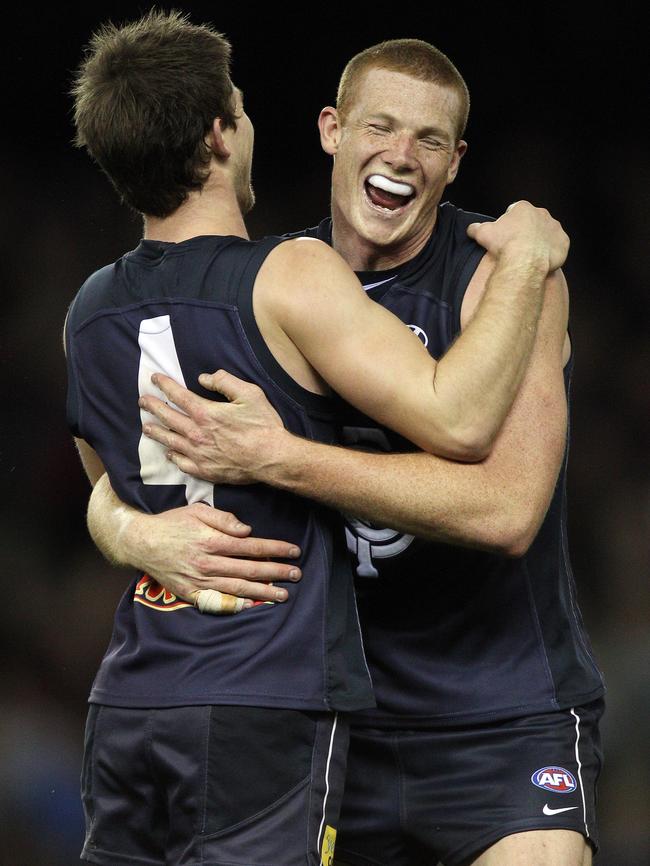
<point x="158" y="355"/>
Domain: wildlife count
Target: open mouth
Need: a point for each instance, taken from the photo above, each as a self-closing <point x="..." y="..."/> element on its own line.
<point x="387" y="194"/>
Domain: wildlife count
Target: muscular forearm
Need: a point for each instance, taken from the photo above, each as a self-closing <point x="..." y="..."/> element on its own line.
<point x="390" y="489"/>
<point x="415" y="493"/>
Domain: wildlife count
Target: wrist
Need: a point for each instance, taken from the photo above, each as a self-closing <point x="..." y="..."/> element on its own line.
<point x="520" y="255"/>
<point x="132" y="537"/>
<point x="280" y="461"/>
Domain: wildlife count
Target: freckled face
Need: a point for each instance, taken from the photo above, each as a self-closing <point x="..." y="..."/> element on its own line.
<point x="395" y="152"/>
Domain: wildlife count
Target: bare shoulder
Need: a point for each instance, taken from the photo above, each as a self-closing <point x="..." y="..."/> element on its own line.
<point x="303" y="271"/>
<point x="305" y="260"/>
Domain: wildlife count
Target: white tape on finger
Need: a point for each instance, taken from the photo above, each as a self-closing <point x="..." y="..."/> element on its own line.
<point x="213" y="601"/>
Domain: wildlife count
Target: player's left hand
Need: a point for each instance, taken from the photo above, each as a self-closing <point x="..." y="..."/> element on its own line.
<point x="222" y="442"/>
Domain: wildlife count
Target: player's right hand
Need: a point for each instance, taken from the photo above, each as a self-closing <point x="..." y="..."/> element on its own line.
<point x="526" y="232"/>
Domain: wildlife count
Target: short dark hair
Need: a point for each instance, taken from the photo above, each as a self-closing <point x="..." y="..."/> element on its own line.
<point x="145" y="96"/>
<point x="412" y="57"/>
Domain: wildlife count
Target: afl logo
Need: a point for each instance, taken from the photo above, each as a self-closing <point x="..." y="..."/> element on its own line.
<point x="555" y="779"/>
<point x="417" y="330"/>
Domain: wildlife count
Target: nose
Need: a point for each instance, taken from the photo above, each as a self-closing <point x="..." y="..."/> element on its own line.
<point x="400" y="155"/>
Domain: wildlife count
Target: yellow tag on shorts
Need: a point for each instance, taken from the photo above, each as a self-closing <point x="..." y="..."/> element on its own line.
<point x="327" y="851"/>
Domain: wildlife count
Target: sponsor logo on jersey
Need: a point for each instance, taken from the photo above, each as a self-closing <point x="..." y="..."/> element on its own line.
<point x="555" y="779"/>
<point x="152" y="594"/>
<point x="417" y="330"/>
<point x="365" y="540"/>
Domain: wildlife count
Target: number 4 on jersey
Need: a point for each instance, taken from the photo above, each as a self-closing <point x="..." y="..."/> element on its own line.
<point x="158" y="355"/>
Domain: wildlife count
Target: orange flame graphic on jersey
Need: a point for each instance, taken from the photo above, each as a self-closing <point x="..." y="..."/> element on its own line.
<point x="152" y="594"/>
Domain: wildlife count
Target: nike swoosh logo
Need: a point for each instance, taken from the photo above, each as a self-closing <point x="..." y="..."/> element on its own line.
<point x="369" y="286"/>
<point x="548" y="811"/>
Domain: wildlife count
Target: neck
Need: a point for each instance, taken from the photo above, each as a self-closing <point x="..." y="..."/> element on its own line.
<point x="213" y="210"/>
<point x="362" y="254"/>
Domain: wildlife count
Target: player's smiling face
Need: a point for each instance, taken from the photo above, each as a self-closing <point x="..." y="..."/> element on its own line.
<point x="394" y="154"/>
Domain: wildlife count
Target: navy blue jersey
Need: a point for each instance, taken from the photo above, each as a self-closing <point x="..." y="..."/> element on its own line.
<point x="453" y="634"/>
<point x="183" y="309"/>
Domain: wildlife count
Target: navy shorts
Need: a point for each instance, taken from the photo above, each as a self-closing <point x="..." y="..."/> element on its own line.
<point x="416" y="797"/>
<point x="213" y="785"/>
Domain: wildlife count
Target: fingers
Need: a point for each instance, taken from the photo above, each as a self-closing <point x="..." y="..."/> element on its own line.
<point x="257" y="548"/>
<point x="473" y="228"/>
<point x="177" y="443"/>
<point x="182" y="397"/>
<point x="213" y="601"/>
<point x="246" y="570"/>
<point x="224" y="521"/>
<point x="249" y="590"/>
<point x="170" y="417"/>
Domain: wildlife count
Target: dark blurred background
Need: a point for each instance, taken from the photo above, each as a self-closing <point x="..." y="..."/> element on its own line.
<point x="559" y="116"/>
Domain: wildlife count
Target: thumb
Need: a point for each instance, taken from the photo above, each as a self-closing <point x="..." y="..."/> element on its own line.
<point x="473" y="230"/>
<point x="223" y="383"/>
<point x="224" y="521"/>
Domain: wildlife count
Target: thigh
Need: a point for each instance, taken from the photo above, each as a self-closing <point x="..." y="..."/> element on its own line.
<point x="538" y="848"/>
<point x="468" y="787"/>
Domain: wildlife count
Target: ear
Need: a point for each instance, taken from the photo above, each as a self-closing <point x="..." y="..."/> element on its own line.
<point x="215" y="141"/>
<point x="459" y="153"/>
<point x="330" y="130"/>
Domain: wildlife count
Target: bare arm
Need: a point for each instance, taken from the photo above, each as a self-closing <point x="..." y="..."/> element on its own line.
<point x="497" y="504"/>
<point x="191" y="548"/>
<point x="187" y="549"/>
<point x="453" y="407"/>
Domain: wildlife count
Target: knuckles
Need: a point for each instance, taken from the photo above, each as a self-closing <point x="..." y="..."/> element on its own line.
<point x="196" y="436"/>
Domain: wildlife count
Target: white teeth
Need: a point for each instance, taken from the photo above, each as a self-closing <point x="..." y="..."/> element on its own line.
<point x="384" y="183"/>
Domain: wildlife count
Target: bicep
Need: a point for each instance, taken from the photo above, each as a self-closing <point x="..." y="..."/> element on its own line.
<point x="90" y="460"/>
<point x="365" y="353"/>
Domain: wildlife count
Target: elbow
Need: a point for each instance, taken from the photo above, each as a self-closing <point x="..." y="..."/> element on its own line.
<point x="512" y="530"/>
<point x="515" y="539"/>
<point x="468" y="445"/>
<point x="516" y="545"/>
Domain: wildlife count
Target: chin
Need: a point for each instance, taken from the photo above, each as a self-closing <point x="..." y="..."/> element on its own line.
<point x="381" y="234"/>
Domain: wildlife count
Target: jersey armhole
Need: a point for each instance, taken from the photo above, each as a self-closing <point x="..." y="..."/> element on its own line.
<point x="461" y="278"/>
<point x="315" y="403"/>
<point x="73" y="396"/>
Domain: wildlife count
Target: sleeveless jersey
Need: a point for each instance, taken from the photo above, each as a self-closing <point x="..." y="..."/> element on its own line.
<point x="183" y="309"/>
<point x="452" y="634"/>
